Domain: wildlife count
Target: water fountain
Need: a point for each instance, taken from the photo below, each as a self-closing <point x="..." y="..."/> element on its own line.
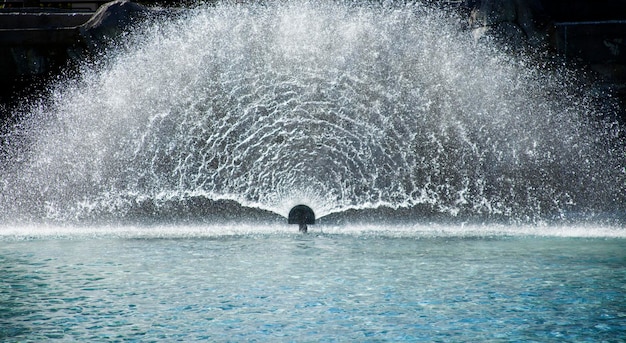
<point x="301" y="215"/>
<point x="342" y="107"/>
<point x="460" y="193"/>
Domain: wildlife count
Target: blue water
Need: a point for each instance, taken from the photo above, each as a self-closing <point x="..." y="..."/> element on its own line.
<point x="267" y="284"/>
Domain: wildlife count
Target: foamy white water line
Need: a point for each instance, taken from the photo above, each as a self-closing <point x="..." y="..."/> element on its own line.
<point x="227" y="230"/>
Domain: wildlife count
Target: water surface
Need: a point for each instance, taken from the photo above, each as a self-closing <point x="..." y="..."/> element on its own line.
<point x="272" y="285"/>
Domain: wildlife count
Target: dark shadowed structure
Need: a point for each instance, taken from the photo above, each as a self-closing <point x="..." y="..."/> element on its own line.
<point x="301" y="215"/>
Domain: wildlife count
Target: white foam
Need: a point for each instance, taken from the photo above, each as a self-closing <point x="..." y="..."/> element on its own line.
<point x="28" y="232"/>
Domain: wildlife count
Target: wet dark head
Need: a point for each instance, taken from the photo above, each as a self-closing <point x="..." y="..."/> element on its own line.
<point x="301" y="215"/>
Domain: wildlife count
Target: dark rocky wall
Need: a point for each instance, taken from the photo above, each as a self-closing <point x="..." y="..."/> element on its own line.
<point x="585" y="10"/>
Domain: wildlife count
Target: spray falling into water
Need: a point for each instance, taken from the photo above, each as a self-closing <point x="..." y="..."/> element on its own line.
<point x="337" y="106"/>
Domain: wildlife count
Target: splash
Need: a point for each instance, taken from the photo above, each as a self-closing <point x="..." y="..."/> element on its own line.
<point x="339" y="106"/>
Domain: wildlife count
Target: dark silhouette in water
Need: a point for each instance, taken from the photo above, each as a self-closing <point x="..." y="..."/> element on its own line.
<point x="303" y="228"/>
<point x="301" y="215"/>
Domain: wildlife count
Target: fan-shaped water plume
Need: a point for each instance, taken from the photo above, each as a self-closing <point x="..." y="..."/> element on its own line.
<point x="339" y="106"/>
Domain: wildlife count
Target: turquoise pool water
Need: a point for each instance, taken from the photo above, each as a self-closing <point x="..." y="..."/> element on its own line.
<point x="248" y="284"/>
